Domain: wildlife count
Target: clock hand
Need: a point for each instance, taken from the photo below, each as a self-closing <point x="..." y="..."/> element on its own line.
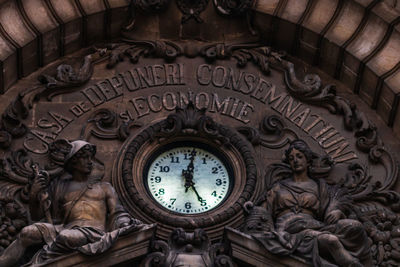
<point x="188" y="173"/>
<point x="199" y="198"/>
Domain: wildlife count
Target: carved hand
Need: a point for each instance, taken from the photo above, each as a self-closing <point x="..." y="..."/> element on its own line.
<point x="334" y="216"/>
<point x="39" y="184"/>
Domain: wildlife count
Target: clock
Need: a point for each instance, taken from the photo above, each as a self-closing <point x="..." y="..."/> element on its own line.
<point x="188" y="178"/>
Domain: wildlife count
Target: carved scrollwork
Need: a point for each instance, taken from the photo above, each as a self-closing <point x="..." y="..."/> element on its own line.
<point x="193" y="122"/>
<point x="273" y="133"/>
<point x="106" y="125"/>
<point x="158" y="257"/>
<point x="135" y="49"/>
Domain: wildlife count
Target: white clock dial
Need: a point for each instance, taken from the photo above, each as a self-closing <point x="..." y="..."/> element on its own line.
<point x="188" y="180"/>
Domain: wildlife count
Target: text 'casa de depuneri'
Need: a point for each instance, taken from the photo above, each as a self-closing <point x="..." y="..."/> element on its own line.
<point x="241" y="87"/>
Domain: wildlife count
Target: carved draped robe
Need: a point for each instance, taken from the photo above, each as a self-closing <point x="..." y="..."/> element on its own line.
<point x="98" y="240"/>
<point x="298" y="211"/>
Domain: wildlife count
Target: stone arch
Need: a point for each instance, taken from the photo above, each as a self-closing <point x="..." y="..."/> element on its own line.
<point x="354" y="41"/>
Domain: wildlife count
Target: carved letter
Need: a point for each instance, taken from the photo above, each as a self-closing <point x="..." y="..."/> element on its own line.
<point x="219" y="76"/>
<point x="217" y="105"/>
<point x="142" y="109"/>
<point x="173" y="103"/>
<point x="204" y="74"/>
<point x="93" y="95"/>
<point x="152" y="106"/>
<point x="206" y="100"/>
<point x="157" y="71"/>
<point x="244" y="112"/>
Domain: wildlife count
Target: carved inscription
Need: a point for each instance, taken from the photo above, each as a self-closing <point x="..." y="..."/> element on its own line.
<point x="207" y="76"/>
<point x="267" y="93"/>
<point x="229" y="106"/>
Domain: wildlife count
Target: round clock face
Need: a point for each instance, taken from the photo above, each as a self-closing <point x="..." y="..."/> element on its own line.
<point x="188" y="179"/>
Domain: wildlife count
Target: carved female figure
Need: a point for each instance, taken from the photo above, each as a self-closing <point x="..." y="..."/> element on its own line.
<point x="307" y="218"/>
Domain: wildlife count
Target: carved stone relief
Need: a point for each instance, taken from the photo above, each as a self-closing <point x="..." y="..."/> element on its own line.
<point x="244" y="100"/>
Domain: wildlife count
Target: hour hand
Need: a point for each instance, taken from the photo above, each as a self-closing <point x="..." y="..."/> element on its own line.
<point x="188" y="175"/>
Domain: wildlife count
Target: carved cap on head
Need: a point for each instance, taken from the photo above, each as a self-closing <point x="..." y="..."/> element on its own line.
<point x="76" y="146"/>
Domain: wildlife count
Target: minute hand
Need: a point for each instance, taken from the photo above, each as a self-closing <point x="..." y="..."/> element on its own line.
<point x="199" y="198"/>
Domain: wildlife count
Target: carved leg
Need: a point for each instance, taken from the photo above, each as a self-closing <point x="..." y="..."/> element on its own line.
<point x="28" y="236"/>
<point x="69" y="239"/>
<point x="331" y="244"/>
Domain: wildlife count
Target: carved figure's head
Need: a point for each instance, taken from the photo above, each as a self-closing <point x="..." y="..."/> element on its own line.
<point x="80" y="157"/>
<point x="299" y="156"/>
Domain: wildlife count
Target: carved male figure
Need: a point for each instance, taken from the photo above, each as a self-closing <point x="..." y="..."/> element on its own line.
<point x="85" y="214"/>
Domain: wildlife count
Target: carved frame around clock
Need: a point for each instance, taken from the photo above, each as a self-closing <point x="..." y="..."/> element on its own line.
<point x="185" y="125"/>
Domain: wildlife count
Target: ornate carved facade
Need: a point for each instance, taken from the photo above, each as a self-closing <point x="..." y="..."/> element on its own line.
<point x="176" y="133"/>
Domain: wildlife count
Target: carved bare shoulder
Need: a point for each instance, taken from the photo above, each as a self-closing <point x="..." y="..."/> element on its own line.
<point x="108" y="188"/>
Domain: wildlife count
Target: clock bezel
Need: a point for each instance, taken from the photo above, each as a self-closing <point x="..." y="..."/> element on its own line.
<point x="189" y="124"/>
<point x="197" y="144"/>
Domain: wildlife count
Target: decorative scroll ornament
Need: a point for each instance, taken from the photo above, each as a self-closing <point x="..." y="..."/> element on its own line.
<point x="184" y="249"/>
<point x="273" y="133"/>
<point x="107" y="125"/>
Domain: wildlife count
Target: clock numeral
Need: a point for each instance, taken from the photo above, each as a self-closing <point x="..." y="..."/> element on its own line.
<point x="172" y="200"/>
<point x="164" y="168"/>
<point x="204" y="161"/>
<point x="157" y="179"/>
<point x="188" y="205"/>
<point x="218" y="182"/>
<point x="214" y="193"/>
<point x="174" y="159"/>
<point x="161" y="191"/>
<point x="214" y="170"/>
<point x="203" y="202"/>
<point x="185" y="156"/>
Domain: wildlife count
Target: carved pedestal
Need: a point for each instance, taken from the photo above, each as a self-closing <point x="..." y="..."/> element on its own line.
<point x="127" y="248"/>
<point x="250" y="251"/>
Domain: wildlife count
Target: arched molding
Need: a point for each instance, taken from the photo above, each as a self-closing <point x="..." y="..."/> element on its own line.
<point x="354" y="41"/>
<point x="34" y="33"/>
